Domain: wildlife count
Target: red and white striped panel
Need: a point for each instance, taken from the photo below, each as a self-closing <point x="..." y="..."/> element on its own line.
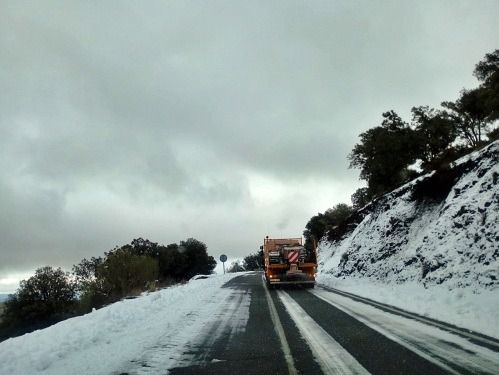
<point x="293" y="256"/>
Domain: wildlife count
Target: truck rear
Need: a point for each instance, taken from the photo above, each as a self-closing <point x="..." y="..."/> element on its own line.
<point x="288" y="262"/>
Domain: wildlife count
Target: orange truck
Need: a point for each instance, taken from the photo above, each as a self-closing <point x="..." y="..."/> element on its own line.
<point x="287" y="261"/>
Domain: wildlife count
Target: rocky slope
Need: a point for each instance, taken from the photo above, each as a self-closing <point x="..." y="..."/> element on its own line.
<point x="442" y="228"/>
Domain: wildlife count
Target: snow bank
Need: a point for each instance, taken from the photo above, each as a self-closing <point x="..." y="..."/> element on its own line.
<point x="435" y="255"/>
<point x="474" y="311"/>
<point x="107" y="339"/>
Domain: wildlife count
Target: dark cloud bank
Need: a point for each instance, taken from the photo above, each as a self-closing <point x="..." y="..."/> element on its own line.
<point x="219" y="120"/>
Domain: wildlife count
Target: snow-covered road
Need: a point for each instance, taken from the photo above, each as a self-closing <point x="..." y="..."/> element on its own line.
<point x="435" y="344"/>
<point x="153" y="330"/>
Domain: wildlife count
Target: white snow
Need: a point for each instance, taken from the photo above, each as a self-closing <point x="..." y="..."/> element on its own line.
<point x="331" y="356"/>
<point x="435" y="259"/>
<point x="432" y="343"/>
<point x="126" y="333"/>
<point x="460" y="307"/>
<point x="456" y="238"/>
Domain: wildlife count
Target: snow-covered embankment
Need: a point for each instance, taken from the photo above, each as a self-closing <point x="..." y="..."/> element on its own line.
<point x="119" y="333"/>
<point x="431" y="246"/>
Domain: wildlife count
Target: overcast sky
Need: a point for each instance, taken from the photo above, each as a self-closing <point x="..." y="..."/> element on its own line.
<point x="220" y="120"/>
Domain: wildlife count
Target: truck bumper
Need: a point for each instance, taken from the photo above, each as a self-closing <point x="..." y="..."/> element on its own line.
<point x="296" y="282"/>
<point x="291" y="278"/>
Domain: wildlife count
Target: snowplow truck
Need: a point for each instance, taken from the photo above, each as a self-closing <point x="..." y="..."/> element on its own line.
<point x="287" y="262"/>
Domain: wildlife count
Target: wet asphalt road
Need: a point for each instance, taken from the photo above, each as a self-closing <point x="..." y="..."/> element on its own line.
<point x="258" y="349"/>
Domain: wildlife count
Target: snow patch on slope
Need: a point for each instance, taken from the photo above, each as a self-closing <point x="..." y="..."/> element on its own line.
<point x="437" y="257"/>
<point x="120" y="332"/>
<point x="460" y="307"/>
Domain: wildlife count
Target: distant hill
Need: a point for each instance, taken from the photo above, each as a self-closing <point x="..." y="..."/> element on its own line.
<point x="3" y="297"/>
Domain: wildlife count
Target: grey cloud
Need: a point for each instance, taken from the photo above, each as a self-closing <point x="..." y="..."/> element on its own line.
<point x="173" y="106"/>
<point x="28" y="226"/>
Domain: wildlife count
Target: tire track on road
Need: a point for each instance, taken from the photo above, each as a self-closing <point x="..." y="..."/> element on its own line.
<point x="375" y="352"/>
<point x="332" y="357"/>
<point x="478" y="338"/>
<point x="433" y="343"/>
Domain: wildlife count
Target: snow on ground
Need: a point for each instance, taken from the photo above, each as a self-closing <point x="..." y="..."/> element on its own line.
<point x="435" y="257"/>
<point x="430" y="342"/>
<point x="108" y="339"/>
<point x="219" y="270"/>
<point x="461" y="307"/>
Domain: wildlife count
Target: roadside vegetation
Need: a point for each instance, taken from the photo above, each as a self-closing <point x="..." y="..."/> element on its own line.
<point x="52" y="295"/>
<point x="252" y="262"/>
<point x="397" y="151"/>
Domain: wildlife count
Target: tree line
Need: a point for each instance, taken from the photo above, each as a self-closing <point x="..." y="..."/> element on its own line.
<point x="52" y="295"/>
<point x="388" y="153"/>
<point x="251" y="262"/>
<point x="434" y="137"/>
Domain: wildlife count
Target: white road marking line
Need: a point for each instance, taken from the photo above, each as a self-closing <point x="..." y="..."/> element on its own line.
<point x="332" y="357"/>
<point x="384" y="332"/>
<point x="396" y="311"/>
<point x="280" y="333"/>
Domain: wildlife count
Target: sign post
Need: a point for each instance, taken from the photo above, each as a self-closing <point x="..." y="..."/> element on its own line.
<point x="223" y="259"/>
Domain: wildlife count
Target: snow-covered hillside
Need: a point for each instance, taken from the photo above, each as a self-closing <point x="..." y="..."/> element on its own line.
<point x="435" y="238"/>
<point x="156" y="326"/>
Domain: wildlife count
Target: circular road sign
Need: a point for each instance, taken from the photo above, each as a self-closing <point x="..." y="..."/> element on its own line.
<point x="223" y="258"/>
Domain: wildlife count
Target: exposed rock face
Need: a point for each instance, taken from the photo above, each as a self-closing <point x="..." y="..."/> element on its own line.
<point x="442" y="228"/>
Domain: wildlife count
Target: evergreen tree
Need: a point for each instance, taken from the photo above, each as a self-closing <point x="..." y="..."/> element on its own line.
<point x="197" y="259"/>
<point x="254" y="261"/>
<point x="360" y="198"/>
<point x="435" y="133"/>
<point x="48" y="296"/>
<point x="471" y="115"/>
<point x="124" y="272"/>
<point x="172" y="263"/>
<point x="384" y="153"/>
<point x="319" y="224"/>
<point x="487" y="72"/>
